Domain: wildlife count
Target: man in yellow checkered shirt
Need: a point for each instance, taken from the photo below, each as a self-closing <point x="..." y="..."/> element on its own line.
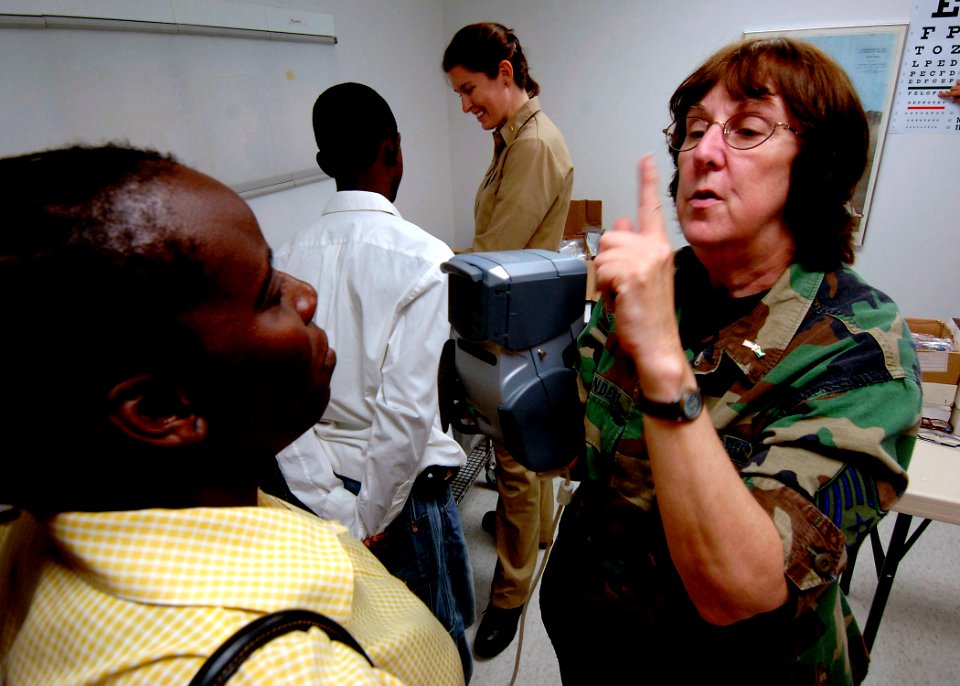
<point x="153" y="363"/>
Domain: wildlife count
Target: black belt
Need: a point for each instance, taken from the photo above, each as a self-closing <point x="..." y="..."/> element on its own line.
<point x="431" y="483"/>
<point x="434" y="480"/>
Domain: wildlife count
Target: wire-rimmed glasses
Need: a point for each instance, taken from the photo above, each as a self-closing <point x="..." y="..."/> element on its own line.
<point x="742" y="131"/>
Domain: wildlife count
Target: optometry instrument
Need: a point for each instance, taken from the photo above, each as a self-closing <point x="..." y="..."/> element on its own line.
<point x="507" y="370"/>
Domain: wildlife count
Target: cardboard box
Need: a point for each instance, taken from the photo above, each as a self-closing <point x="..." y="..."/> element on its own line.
<point x="581" y="215"/>
<point x="592" y="293"/>
<point x="936" y="366"/>
<point x="939" y="412"/>
<point x="939" y="393"/>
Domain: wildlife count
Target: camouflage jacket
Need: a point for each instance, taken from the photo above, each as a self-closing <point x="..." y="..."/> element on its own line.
<point x="815" y="394"/>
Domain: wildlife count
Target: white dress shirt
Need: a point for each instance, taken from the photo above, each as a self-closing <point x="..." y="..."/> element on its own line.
<point x="382" y="300"/>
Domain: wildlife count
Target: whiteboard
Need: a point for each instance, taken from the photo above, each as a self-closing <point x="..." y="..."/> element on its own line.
<point x="236" y="108"/>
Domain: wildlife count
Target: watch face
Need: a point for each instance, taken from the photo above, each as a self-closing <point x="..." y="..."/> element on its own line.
<point x="685" y="408"/>
<point x="691" y="403"/>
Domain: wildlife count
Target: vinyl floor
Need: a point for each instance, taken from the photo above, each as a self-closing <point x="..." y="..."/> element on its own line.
<point x="917" y="644"/>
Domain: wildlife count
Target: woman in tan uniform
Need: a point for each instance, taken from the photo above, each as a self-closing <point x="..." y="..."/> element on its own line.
<point x="522" y="203"/>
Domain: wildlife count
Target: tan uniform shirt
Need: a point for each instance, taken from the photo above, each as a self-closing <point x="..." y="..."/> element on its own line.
<point x="524" y="197"/>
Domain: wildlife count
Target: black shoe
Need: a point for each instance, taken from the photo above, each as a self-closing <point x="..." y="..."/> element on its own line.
<point x="496" y="631"/>
<point x="489" y="523"/>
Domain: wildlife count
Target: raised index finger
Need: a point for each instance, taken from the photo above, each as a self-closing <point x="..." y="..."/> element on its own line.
<point x="650" y="211"/>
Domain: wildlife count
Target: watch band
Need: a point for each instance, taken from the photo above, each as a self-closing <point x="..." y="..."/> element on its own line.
<point x="685" y="408"/>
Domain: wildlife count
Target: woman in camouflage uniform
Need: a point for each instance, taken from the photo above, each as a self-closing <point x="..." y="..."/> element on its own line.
<point x="709" y="545"/>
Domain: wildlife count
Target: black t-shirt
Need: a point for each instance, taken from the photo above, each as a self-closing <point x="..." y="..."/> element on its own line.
<point x="705" y="309"/>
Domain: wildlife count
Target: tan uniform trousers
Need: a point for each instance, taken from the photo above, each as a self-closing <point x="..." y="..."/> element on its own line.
<point x="525" y="511"/>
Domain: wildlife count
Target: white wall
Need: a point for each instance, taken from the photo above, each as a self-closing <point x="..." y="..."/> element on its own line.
<point x="607" y="69"/>
<point x="395" y="48"/>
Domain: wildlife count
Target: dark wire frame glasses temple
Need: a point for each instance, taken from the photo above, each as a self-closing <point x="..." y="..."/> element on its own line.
<point x="742" y="131"/>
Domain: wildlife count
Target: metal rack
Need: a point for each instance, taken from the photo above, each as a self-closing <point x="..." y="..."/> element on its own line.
<point x="481" y="457"/>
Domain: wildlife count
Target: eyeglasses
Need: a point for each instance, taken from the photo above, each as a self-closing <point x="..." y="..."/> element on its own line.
<point x="741" y="131"/>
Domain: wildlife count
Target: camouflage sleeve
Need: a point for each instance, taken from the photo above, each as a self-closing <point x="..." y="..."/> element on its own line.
<point x="812" y="545"/>
<point x="590" y="345"/>
<point x="830" y="470"/>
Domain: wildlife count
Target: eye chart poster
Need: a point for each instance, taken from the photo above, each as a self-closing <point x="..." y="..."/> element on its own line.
<point x="931" y="65"/>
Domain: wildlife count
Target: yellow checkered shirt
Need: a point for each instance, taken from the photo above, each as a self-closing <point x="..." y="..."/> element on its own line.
<point x="144" y="597"/>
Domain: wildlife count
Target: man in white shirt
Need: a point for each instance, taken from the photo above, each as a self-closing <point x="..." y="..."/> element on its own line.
<point x="378" y="460"/>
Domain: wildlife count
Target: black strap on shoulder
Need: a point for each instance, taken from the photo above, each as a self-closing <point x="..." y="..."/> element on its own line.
<point x="224" y="663"/>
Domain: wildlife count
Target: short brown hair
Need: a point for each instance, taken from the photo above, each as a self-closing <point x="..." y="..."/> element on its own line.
<point x="833" y="141"/>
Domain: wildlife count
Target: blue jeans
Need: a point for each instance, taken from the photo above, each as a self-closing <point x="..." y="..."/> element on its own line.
<point x="425" y="548"/>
